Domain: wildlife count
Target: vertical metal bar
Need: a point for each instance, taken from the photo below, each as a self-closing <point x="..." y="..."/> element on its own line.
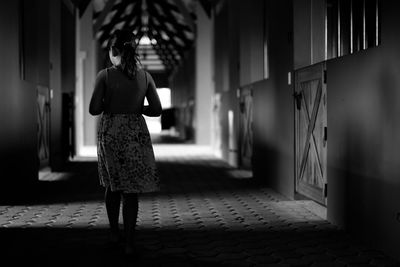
<point x="311" y="34"/>
<point x="377" y="23"/>
<point x="351" y="28"/>
<point x="21" y="48"/>
<point x="339" y="35"/>
<point x="266" y="40"/>
<point x="326" y="29"/>
<point x="364" y="28"/>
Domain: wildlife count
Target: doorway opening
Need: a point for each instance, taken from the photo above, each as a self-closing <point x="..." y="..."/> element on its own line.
<point x="154" y="123"/>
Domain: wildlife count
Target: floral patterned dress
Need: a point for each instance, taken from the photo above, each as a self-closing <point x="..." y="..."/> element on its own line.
<point x="125" y="154"/>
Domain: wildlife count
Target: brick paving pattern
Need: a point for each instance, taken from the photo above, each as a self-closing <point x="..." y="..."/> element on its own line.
<point x="207" y="214"/>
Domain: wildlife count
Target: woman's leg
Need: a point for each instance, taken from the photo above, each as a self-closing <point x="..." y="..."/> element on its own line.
<point x="113" y="201"/>
<point x="130" y="209"/>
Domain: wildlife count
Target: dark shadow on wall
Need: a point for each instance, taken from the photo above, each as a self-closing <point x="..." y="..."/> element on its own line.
<point x="367" y="167"/>
<point x="365" y="193"/>
<point x="265" y="162"/>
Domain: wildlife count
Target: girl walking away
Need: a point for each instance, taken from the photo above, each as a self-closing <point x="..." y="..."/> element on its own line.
<point x="126" y="163"/>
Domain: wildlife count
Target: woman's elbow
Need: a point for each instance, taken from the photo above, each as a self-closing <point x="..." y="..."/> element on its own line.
<point x="158" y="111"/>
<point x="152" y="111"/>
<point x="94" y="111"/>
<point x="155" y="113"/>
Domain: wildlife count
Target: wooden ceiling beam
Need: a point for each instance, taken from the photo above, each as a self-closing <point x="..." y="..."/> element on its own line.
<point x="100" y="19"/>
<point x="108" y="28"/>
<point x="172" y="19"/>
<point x="178" y="28"/>
<point x="117" y="18"/>
<point x="170" y="34"/>
<point x="184" y="11"/>
<point x="135" y="26"/>
<point x="171" y="41"/>
<point x="157" y="50"/>
<point x="162" y="52"/>
<point x="163" y="46"/>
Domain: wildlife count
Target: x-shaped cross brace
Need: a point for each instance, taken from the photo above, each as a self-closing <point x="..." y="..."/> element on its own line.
<point x="310" y="129"/>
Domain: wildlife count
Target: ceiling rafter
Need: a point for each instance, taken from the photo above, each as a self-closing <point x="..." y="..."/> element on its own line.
<point x="100" y="19"/>
<point x="164" y="27"/>
<point x="167" y="55"/>
<point x="171" y="42"/>
<point x="183" y="9"/>
<point x="166" y="6"/>
<point x="170" y="28"/>
<point x="117" y="18"/>
<point x="107" y="29"/>
<point x="170" y="35"/>
<point x="159" y="52"/>
<point x="162" y="50"/>
<point x="163" y="54"/>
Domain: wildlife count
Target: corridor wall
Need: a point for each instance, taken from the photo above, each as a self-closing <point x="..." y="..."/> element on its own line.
<point x="364" y="138"/>
<point x="226" y="60"/>
<point x="17" y="108"/>
<point x="87" y="47"/>
<point x="273" y="108"/>
<point x="31" y="34"/>
<point x="55" y="83"/>
<point x="363" y="107"/>
<point x="182" y="84"/>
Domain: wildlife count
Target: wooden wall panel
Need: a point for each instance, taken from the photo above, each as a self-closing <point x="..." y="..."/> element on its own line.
<point x="17" y="112"/>
<point x="67" y="49"/>
<point x="364" y="137"/>
<point x="251" y="31"/>
<point x="302" y="33"/>
<point x="55" y="84"/>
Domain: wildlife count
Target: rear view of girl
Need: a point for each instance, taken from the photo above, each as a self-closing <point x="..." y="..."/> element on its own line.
<point x="126" y="161"/>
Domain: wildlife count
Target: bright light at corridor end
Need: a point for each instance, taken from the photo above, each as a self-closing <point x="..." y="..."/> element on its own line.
<point x="154" y="123"/>
<point x="145" y="40"/>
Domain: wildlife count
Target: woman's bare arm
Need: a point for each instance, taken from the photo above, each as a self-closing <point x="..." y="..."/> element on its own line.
<point x="96" y="106"/>
<point x="154" y="108"/>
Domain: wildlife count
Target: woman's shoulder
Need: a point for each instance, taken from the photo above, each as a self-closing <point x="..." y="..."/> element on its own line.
<point x="108" y="69"/>
<point x="144" y="73"/>
<point x="141" y="71"/>
<point x="102" y="73"/>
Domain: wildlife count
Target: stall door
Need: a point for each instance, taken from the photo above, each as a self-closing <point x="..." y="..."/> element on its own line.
<point x="43" y="125"/>
<point x="216" y="117"/>
<point x="246" y="128"/>
<point x="311" y="132"/>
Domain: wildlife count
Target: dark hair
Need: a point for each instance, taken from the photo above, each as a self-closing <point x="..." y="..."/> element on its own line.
<point x="124" y="42"/>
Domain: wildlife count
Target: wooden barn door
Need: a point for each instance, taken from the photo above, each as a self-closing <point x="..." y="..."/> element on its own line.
<point x="311" y="132"/>
<point x="216" y="120"/>
<point x="246" y="128"/>
<point x="43" y="126"/>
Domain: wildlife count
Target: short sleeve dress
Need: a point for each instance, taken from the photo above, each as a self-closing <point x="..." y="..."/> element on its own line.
<point x="126" y="161"/>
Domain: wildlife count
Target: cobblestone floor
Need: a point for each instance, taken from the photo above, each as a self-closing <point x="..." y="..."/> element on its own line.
<point x="207" y="214"/>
